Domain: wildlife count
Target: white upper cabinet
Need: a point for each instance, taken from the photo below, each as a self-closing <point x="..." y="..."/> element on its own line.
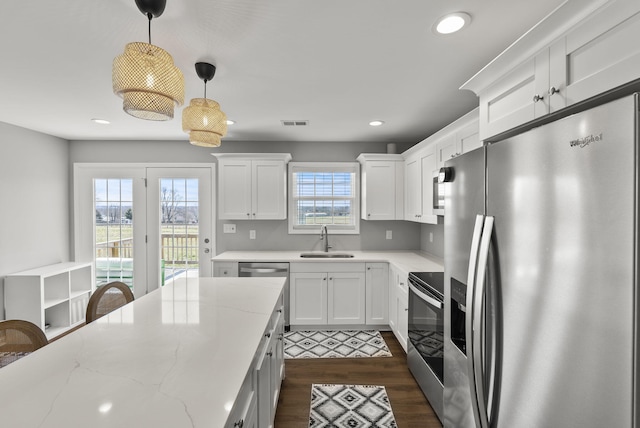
<point x="252" y="186"/>
<point x="382" y="178"/>
<point x="419" y="170"/>
<point x="424" y="160"/>
<point x="583" y="49"/>
<point x="461" y="136"/>
<point x="602" y="52"/>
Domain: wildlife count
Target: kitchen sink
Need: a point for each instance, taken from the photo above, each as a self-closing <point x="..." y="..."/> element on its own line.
<point x="326" y="255"/>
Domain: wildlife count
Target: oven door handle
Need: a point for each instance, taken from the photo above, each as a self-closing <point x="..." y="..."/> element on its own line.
<point x="430" y="300"/>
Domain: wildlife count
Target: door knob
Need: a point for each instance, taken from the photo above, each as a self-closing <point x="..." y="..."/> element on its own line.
<point x="553" y="90"/>
<point x="206" y="250"/>
<point x="537" y="98"/>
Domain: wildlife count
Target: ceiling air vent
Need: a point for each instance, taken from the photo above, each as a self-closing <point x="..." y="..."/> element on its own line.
<point x="294" y="122"/>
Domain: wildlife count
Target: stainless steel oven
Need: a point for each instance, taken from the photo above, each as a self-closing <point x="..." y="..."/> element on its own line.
<point x="425" y="345"/>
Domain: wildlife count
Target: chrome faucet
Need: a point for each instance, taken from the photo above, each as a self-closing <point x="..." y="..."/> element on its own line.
<point x="324" y="235"/>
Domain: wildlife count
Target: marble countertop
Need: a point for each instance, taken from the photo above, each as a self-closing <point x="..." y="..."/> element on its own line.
<point x="176" y="357"/>
<point x="408" y="261"/>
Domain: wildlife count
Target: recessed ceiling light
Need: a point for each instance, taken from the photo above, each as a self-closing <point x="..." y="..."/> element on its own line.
<point x="376" y="123"/>
<point x="101" y="121"/>
<point x="230" y="122"/>
<point x="451" y="23"/>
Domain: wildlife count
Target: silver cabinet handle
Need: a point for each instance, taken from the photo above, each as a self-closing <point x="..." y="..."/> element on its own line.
<point x="553" y="90"/>
<point x="537" y="98"/>
<point x="239" y="424"/>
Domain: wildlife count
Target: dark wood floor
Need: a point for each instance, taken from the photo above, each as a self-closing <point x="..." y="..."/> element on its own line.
<point x="410" y="407"/>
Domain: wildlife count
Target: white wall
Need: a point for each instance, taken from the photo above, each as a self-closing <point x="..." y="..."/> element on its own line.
<point x="270" y="234"/>
<point x="34" y="201"/>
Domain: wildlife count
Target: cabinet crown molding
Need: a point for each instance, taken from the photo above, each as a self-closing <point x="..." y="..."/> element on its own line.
<point x="286" y="157"/>
<point x="364" y="157"/>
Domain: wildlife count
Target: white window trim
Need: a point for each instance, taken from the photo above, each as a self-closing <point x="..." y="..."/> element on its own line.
<point x="353" y="167"/>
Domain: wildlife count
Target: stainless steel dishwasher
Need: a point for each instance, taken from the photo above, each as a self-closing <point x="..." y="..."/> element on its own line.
<point x="269" y="270"/>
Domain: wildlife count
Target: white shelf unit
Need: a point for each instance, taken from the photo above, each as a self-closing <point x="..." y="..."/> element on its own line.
<point x="53" y="297"/>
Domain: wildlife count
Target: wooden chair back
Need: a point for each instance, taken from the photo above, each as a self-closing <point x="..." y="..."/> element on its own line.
<point x="19" y="338"/>
<point x="108" y="298"/>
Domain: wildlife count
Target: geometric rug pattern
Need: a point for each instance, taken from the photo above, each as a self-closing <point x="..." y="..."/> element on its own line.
<point x="335" y="344"/>
<point x="350" y="406"/>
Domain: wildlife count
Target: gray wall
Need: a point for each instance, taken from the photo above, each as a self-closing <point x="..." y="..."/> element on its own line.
<point x="435" y="246"/>
<point x="270" y="235"/>
<point x="34" y="195"/>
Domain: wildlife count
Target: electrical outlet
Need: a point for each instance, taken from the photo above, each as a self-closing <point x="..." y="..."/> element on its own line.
<point x="389" y="234"/>
<point x="252" y="234"/>
<point x="430" y="236"/>
<point x="229" y="228"/>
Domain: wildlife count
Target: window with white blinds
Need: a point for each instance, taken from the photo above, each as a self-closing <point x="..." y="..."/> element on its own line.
<point x="324" y="194"/>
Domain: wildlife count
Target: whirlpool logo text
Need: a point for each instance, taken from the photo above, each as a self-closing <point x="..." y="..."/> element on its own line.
<point x="585" y="141"/>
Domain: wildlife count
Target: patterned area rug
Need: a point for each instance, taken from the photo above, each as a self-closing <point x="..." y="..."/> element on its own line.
<point x="350" y="406"/>
<point x="335" y="344"/>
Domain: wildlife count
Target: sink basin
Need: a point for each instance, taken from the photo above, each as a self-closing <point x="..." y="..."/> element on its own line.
<point x="326" y="255"/>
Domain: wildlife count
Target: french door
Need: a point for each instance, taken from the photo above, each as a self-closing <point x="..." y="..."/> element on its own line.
<point x="179" y="216"/>
<point x="143" y="225"/>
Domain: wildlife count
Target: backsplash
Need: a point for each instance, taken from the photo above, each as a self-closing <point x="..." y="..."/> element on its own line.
<point x="435" y="246"/>
<point x="273" y="235"/>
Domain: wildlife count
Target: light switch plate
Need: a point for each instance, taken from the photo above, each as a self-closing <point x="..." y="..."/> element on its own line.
<point x="252" y="234"/>
<point x="229" y="228"/>
<point x="389" y="234"/>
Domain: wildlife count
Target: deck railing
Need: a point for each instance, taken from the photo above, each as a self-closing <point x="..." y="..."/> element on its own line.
<point x="174" y="247"/>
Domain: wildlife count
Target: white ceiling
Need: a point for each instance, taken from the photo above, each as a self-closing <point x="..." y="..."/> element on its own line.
<point x="337" y="63"/>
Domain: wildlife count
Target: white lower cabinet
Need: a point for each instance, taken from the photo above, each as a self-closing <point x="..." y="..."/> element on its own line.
<point x="346" y="298"/>
<point x="270" y="372"/>
<point x="308" y="297"/>
<point x="399" y="305"/>
<point x="327" y="293"/>
<point x="377" y="293"/>
<point x="222" y="269"/>
<point x="257" y="401"/>
<point x="245" y="412"/>
<point x="402" y="308"/>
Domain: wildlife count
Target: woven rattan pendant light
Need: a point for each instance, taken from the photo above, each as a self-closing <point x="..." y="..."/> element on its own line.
<point x="203" y="120"/>
<point x="144" y="75"/>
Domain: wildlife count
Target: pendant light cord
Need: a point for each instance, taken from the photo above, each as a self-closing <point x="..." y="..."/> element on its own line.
<point x="205" y="88"/>
<point x="149" y="16"/>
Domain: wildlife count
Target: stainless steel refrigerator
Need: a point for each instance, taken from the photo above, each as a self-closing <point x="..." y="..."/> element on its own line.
<point x="541" y="255"/>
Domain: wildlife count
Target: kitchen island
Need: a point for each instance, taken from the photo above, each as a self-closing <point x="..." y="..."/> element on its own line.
<point x="176" y="357"/>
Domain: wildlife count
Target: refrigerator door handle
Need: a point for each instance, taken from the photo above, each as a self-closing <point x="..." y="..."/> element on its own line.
<point x="471" y="279"/>
<point x="476" y="371"/>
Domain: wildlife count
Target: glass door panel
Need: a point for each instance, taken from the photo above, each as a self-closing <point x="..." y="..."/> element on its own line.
<point x="113" y="231"/>
<point x="106" y="231"/>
